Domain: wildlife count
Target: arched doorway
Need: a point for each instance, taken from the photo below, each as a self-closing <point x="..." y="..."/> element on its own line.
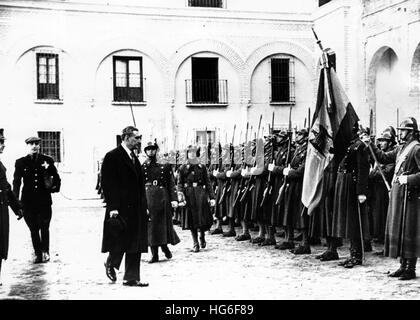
<point x="386" y="88"/>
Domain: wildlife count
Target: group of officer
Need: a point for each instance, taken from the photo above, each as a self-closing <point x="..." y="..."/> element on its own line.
<point x="371" y="194"/>
<point x="32" y="201"/>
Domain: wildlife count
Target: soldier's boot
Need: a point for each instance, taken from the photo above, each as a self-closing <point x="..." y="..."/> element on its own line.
<point x="289" y="243"/>
<point x="305" y="247"/>
<point x="194" y="234"/>
<point x="38" y="257"/>
<point x="410" y="272"/>
<point x="403" y="266"/>
<point x="356" y="254"/>
<point x="270" y="239"/>
<point x="166" y="251"/>
<point x="243" y="237"/>
<point x="218" y="229"/>
<point x="231" y="232"/>
<point x="261" y="234"/>
<point x="155" y="254"/>
<point x="202" y="239"/>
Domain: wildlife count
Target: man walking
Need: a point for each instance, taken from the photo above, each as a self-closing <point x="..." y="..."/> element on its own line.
<point x="40" y="179"/>
<point x="125" y="224"/>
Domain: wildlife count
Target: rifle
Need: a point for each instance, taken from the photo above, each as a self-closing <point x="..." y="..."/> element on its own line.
<point x="241" y="184"/>
<point x="285" y="184"/>
<point x="226" y="186"/>
<point x="309" y="120"/>
<point x="249" y="185"/>
<point x="269" y="185"/>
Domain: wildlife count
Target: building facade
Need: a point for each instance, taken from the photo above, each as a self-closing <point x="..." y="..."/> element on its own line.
<point x="77" y="72"/>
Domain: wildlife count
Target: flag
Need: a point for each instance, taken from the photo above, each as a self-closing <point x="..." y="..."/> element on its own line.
<point x="329" y="137"/>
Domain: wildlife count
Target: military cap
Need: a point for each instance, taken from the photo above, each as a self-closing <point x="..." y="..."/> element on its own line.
<point x="151" y="145"/>
<point x="32" y="140"/>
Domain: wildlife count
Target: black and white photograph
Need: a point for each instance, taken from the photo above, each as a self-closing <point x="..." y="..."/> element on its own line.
<point x="223" y="151"/>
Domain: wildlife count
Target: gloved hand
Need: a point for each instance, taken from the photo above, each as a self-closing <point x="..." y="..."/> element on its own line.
<point x="365" y="139"/>
<point x="361" y="198"/>
<point x="244" y="173"/>
<point x="253" y="169"/>
<point x="286" y="171"/>
<point x="271" y="167"/>
<point x="114" y="213"/>
<point x="174" y="204"/>
<point x="403" y="179"/>
<point x="215" y="172"/>
<point x="212" y="202"/>
<point x="229" y="173"/>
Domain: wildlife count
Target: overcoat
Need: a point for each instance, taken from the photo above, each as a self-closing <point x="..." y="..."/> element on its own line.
<point x="379" y="198"/>
<point x="294" y="212"/>
<point x="352" y="180"/>
<point x="160" y="191"/>
<point x="124" y="190"/>
<point x="195" y="184"/>
<point x="7" y="198"/>
<point x="403" y="239"/>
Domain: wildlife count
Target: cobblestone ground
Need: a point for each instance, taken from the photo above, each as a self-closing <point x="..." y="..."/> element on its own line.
<point x="226" y="269"/>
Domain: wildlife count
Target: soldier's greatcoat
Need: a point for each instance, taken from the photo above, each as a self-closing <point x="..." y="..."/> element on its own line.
<point x="294" y="214"/>
<point x="7" y="198"/>
<point x="194" y="183"/>
<point x="352" y="180"/>
<point x="379" y="198"/>
<point x="160" y="191"/>
<point x="403" y="239"/>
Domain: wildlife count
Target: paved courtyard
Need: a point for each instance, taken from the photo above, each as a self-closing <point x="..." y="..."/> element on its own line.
<point x="226" y="269"/>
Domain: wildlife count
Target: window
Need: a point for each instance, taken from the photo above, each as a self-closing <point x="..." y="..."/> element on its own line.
<point x="128" y="81"/>
<point x="47" y="76"/>
<point x="282" y="80"/>
<point x="51" y="144"/>
<point x="206" y="3"/>
<point x="322" y="2"/>
<point x="205" y="86"/>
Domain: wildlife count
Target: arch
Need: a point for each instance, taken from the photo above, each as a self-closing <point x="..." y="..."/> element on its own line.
<point x="415" y="72"/>
<point x="372" y="70"/>
<point x="269" y="49"/>
<point x="204" y="45"/>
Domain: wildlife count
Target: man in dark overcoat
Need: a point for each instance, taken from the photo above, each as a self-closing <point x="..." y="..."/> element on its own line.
<point x="350" y="218"/>
<point x="161" y="199"/>
<point x="125" y="224"/>
<point x="7" y="198"/>
<point x="402" y="232"/>
<point x="40" y="179"/>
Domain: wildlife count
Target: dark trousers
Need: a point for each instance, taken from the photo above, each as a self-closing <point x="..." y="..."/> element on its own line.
<point x="132" y="264"/>
<point x="38" y="220"/>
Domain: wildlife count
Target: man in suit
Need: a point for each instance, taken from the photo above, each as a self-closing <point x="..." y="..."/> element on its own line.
<point x="126" y="218"/>
<point x="40" y="179"/>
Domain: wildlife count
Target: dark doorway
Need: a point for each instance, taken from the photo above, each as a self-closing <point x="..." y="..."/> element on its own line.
<point x="205" y="80"/>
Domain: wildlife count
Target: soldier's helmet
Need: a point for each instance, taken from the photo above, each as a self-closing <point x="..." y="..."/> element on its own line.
<point x="151" y="145"/>
<point x="409" y="124"/>
<point x="386" y="135"/>
<point x="391" y="130"/>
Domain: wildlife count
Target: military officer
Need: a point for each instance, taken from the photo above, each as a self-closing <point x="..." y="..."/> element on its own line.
<point x="402" y="232"/>
<point x="195" y="186"/>
<point x="161" y="198"/>
<point x="351" y="189"/>
<point x="40" y="179"/>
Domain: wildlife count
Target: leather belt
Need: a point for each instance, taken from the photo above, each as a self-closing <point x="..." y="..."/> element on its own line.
<point x="153" y="183"/>
<point x="194" y="184"/>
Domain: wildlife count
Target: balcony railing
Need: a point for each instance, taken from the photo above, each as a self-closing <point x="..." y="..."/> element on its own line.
<point x="206" y="3"/>
<point x="206" y="91"/>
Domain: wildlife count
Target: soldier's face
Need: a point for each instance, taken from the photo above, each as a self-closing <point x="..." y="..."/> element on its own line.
<point x="151" y="152"/>
<point x="404" y="134"/>
<point x="34" y="147"/>
<point x="2" y="146"/>
<point x="383" y="144"/>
